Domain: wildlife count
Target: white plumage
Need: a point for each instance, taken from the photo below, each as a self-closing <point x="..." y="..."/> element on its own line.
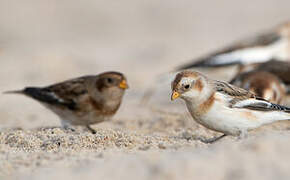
<point x="222" y="107"/>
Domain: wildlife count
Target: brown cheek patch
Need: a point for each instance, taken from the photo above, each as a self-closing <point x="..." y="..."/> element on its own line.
<point x="205" y="106"/>
<point x="198" y="85"/>
<point x="100" y="85"/>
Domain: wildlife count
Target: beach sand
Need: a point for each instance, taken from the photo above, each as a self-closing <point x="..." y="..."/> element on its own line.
<point x="47" y="42"/>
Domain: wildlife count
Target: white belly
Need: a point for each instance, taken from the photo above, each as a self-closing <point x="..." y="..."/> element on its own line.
<point x="226" y="121"/>
<point x="233" y="121"/>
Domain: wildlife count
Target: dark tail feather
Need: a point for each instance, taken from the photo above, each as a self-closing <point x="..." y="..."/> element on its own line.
<point x="44" y="95"/>
<point x="14" y="92"/>
<point x="29" y="91"/>
<point x="280" y="108"/>
<point x="40" y="94"/>
<point x="35" y="93"/>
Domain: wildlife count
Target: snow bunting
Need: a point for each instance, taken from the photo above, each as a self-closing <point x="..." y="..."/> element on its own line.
<point x="263" y="84"/>
<point x="223" y="107"/>
<point x="82" y="101"/>
<point x="273" y="44"/>
<point x="280" y="68"/>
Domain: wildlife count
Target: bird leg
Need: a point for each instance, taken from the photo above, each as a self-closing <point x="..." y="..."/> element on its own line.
<point x="69" y="128"/>
<point x="212" y="140"/>
<point x="243" y="134"/>
<point x="91" y="129"/>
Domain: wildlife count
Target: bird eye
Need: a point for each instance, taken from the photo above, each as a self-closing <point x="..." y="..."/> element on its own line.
<point x="110" y="80"/>
<point x="187" y="86"/>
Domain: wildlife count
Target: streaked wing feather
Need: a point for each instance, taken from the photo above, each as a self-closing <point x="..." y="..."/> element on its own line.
<point x="240" y="98"/>
<point x="260" y="105"/>
<point x="233" y="91"/>
<point x="70" y="89"/>
<point x="63" y="94"/>
<point x="46" y="96"/>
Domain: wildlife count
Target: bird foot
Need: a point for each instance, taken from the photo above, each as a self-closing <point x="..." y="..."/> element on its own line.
<point x="243" y="135"/>
<point x="213" y="140"/>
<point x="91" y="130"/>
<point x="68" y="128"/>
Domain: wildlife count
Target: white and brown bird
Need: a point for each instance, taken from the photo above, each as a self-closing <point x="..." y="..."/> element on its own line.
<point x="223" y="107"/>
<point x="262" y="48"/>
<point x="263" y="84"/>
<point x="82" y="101"/>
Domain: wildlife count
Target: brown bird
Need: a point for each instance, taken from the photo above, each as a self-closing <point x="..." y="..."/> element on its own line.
<point x="82" y="101"/>
<point x="262" y="48"/>
<point x="264" y="84"/>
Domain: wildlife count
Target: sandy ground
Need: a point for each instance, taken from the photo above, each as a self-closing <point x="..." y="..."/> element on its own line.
<point x="42" y="42"/>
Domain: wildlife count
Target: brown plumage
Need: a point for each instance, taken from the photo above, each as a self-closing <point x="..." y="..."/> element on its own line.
<point x="280" y="68"/>
<point x="234" y="91"/>
<point x="82" y="101"/>
<point x="265" y="80"/>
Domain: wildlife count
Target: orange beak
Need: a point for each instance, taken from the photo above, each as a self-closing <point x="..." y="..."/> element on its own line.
<point x="174" y="95"/>
<point x="123" y="84"/>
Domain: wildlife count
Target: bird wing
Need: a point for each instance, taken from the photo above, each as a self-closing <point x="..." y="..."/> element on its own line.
<point x="241" y="98"/>
<point x="260" y="105"/>
<point x="242" y="52"/>
<point x="233" y="92"/>
<point x="64" y="94"/>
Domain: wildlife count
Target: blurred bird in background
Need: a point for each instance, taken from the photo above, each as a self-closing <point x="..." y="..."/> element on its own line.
<point x="262" y="48"/>
<point x="269" y="80"/>
<point x="264" y="84"/>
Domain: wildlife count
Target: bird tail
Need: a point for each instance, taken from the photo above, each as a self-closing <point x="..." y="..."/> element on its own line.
<point x="29" y="91"/>
<point x="275" y="117"/>
<point x="14" y="92"/>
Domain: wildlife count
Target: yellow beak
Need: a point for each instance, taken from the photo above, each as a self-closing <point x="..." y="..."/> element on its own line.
<point x="174" y="95"/>
<point x="124" y="85"/>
